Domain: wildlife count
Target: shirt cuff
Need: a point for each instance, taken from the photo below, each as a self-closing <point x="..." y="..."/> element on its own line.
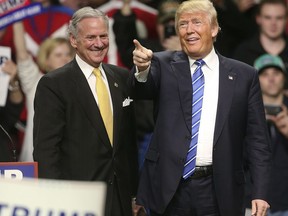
<point x="142" y="76"/>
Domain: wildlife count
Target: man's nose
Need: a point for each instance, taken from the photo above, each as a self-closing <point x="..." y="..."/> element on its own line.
<point x="190" y="28"/>
<point x="98" y="41"/>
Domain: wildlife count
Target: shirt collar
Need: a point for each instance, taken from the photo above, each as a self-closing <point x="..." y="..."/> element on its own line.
<point x="86" y="68"/>
<point x="209" y="60"/>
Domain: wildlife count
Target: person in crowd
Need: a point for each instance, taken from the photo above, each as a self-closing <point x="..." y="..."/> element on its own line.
<point x="145" y="20"/>
<point x="271" y="18"/>
<point x="9" y="114"/>
<point x="77" y="4"/>
<point x="272" y="75"/>
<point x="73" y="4"/>
<point x="207" y="105"/>
<point x="84" y="118"/>
<point x="51" y="22"/>
<point x="237" y="21"/>
<point x="53" y="53"/>
<point x="124" y="21"/>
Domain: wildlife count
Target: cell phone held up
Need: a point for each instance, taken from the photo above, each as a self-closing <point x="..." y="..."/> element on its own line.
<point x="169" y="30"/>
<point x="272" y="109"/>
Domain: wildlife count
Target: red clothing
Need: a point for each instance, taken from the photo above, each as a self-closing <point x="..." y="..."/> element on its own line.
<point x="53" y="21"/>
<point x="145" y="14"/>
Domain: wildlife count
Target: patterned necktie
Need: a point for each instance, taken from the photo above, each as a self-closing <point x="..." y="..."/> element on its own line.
<point x="198" y="91"/>
<point x="104" y="103"/>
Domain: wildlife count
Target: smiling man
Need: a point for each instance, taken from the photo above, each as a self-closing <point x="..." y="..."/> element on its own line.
<point x="84" y="117"/>
<point x="271" y="19"/>
<point x="206" y="106"/>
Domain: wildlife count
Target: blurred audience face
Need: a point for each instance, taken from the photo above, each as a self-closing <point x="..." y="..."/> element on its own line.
<point x="161" y="29"/>
<point x="166" y="19"/>
<point x="92" y="3"/>
<point x="73" y="4"/>
<point x="272" y="20"/>
<point x="59" y="56"/>
<point x="44" y="2"/>
<point x="196" y="34"/>
<point x="2" y="32"/>
<point x="92" y="40"/>
<point x="272" y="82"/>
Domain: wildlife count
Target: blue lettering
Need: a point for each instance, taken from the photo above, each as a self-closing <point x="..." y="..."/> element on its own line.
<point x="5" y="209"/>
<point x="2" y="206"/>
<point x="37" y="213"/>
<point x="90" y="214"/>
<point x="20" y="211"/>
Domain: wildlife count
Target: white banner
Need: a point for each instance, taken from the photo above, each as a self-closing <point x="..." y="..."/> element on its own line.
<point x="38" y="197"/>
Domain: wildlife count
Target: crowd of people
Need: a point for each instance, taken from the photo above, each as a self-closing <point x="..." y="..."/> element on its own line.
<point x="151" y="140"/>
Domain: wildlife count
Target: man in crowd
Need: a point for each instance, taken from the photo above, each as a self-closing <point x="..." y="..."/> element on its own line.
<point x="272" y="76"/>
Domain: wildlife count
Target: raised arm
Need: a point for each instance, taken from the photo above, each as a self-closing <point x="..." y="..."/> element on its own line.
<point x="19" y="42"/>
<point x="28" y="71"/>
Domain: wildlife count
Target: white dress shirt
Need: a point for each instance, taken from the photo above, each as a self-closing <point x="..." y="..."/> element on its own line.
<point x="209" y="108"/>
<point x="91" y="78"/>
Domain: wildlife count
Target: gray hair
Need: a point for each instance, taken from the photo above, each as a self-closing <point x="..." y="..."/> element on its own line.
<point x="85" y="12"/>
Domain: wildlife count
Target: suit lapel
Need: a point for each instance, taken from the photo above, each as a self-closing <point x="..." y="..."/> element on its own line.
<point x="227" y="81"/>
<point x="181" y="68"/>
<point x="88" y="103"/>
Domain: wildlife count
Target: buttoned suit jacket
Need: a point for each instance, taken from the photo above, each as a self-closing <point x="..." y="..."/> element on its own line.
<point x="70" y="139"/>
<point x="240" y="116"/>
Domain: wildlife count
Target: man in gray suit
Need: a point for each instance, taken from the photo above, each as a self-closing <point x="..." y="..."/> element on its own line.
<point x="210" y="182"/>
<point x="74" y="138"/>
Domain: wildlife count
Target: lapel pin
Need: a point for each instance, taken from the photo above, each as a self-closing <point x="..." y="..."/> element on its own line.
<point x="116" y="85"/>
<point x="230" y="77"/>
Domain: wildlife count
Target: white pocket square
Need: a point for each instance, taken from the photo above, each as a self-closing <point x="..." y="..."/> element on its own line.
<point x="127" y="102"/>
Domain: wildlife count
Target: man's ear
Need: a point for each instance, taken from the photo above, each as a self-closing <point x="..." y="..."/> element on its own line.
<point x="73" y="41"/>
<point x="214" y="31"/>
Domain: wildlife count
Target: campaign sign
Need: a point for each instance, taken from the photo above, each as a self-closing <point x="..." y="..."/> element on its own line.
<point x="16" y="10"/>
<point x="39" y="197"/>
<point x="18" y="170"/>
<point x="5" y="54"/>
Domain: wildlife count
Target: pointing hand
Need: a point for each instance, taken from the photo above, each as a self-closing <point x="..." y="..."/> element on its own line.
<point x="141" y="56"/>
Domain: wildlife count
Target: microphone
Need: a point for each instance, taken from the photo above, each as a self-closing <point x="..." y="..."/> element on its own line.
<point x="11" y="143"/>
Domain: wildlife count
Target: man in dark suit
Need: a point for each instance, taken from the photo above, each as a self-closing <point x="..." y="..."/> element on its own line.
<point x="74" y="138"/>
<point x="231" y="112"/>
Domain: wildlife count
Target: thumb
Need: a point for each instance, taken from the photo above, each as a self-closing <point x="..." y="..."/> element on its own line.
<point x="254" y="209"/>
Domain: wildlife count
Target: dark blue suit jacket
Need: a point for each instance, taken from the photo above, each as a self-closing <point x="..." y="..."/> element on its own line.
<point x="240" y="116"/>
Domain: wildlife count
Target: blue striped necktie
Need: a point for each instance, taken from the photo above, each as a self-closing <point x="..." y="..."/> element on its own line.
<point x="198" y="92"/>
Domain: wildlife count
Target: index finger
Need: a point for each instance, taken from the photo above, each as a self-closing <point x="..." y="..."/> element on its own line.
<point x="138" y="45"/>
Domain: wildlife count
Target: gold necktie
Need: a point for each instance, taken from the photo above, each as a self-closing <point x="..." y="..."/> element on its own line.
<point x="104" y="103"/>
